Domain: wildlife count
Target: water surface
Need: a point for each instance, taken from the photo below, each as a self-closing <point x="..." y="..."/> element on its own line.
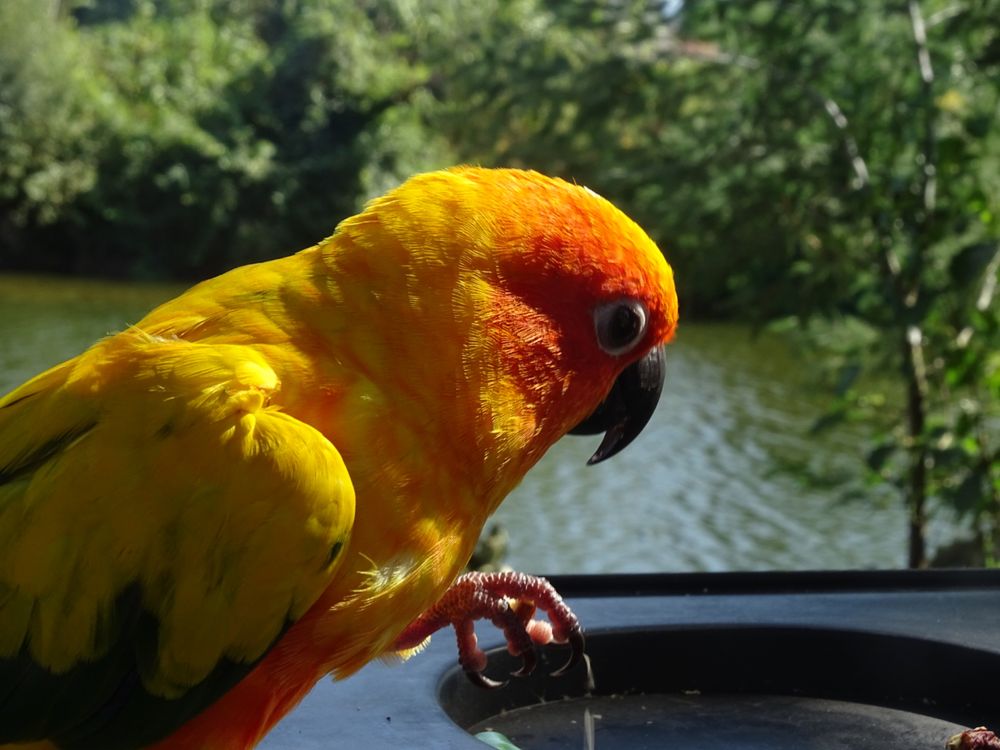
<point x="717" y="481"/>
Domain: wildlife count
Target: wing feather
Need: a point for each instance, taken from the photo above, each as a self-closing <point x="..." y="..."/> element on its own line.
<point x="158" y="519"/>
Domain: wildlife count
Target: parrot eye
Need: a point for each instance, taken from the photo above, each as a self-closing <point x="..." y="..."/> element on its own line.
<point x="619" y="325"/>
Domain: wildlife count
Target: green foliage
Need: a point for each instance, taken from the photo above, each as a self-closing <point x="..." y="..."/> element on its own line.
<point x="834" y="161"/>
<point x="215" y="133"/>
<point x="45" y="123"/>
<point x="897" y="245"/>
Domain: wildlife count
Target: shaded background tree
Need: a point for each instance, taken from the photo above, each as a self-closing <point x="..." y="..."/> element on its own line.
<point x="214" y="133"/>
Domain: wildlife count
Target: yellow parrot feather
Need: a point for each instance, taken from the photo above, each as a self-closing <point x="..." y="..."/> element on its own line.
<point x="280" y="473"/>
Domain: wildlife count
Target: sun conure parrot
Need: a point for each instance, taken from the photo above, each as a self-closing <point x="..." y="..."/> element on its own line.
<point x="281" y="473"/>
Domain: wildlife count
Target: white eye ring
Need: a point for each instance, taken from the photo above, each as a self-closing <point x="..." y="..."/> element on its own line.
<point x="620" y="325"/>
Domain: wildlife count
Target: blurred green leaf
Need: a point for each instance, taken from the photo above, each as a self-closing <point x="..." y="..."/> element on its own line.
<point x="969" y="264"/>
<point x="877" y="456"/>
<point x="828" y="420"/>
<point x="968" y="495"/>
<point x="848" y="376"/>
<point x="496" y="740"/>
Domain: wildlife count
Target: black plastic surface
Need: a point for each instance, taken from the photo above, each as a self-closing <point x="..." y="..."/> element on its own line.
<point x="824" y="660"/>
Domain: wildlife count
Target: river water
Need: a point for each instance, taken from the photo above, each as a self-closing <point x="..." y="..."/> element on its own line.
<point x="725" y="476"/>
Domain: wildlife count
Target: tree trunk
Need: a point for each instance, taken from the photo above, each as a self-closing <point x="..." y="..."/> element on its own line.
<point x="916" y="412"/>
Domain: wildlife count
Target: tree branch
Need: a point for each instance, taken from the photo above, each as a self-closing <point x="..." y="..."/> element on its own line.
<point x="927" y="95"/>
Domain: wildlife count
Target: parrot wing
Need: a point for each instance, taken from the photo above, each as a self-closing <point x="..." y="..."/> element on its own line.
<point x="160" y="528"/>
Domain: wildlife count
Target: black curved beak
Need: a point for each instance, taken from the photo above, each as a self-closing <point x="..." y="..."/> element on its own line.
<point x="628" y="407"/>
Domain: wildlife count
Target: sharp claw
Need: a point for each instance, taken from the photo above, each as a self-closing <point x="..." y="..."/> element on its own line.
<point x="575" y="640"/>
<point x="509" y="601"/>
<point x="482" y="681"/>
<point x="530" y="662"/>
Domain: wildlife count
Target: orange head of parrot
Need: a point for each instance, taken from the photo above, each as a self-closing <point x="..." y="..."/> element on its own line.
<point x="564" y="303"/>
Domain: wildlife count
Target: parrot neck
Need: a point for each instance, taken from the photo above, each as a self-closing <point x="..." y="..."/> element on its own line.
<point x="436" y="364"/>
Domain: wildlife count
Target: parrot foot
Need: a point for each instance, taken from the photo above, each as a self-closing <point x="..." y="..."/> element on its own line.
<point x="509" y="601"/>
<point x="979" y="738"/>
